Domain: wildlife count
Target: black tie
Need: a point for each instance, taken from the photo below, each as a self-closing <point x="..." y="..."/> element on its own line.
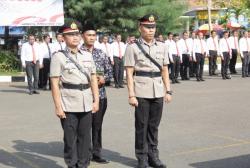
<point x="49" y="50"/>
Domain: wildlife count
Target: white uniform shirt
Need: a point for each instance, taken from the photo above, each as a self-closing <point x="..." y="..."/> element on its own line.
<point x="116" y="51"/>
<point x="168" y="42"/>
<point x="224" y="46"/>
<point x="58" y="46"/>
<point x="106" y="48"/>
<point x="200" y="46"/>
<point x="175" y="49"/>
<point x="27" y="53"/>
<point x="213" y="44"/>
<point x="45" y="51"/>
<point x="244" y="45"/>
<point x="186" y="46"/>
<point x="234" y="42"/>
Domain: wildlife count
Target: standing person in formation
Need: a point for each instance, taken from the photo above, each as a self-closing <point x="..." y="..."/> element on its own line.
<point x="59" y="44"/>
<point x="104" y="73"/>
<point x="213" y="46"/>
<point x="226" y="54"/>
<point x="186" y="46"/>
<point x="175" y="56"/>
<point x="118" y="50"/>
<point x="200" y="52"/>
<point x="192" y="65"/>
<point x="146" y="63"/>
<point x="168" y="42"/>
<point x="75" y="94"/>
<point x="234" y="45"/>
<point x="32" y="61"/>
<point x="249" y="39"/>
<point x="46" y="49"/>
<point x="244" y="46"/>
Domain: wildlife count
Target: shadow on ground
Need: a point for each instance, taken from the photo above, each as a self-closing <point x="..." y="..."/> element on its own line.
<point x="233" y="162"/>
<point x="28" y="155"/>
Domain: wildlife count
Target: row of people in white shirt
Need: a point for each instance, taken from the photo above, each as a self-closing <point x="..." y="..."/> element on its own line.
<point x="199" y="45"/>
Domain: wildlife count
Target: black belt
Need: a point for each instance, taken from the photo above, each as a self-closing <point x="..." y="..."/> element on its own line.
<point x="74" y="86"/>
<point x="148" y="74"/>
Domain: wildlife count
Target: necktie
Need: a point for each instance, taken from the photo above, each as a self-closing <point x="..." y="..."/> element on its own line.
<point x="202" y="49"/>
<point x="61" y="46"/>
<point x="186" y="45"/>
<point x="120" y="51"/>
<point x="177" y="50"/>
<point x="215" y="48"/>
<point x="33" y="54"/>
<point x="49" y="50"/>
<point x="235" y="43"/>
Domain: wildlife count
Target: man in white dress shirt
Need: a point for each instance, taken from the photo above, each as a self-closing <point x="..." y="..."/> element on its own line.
<point x="213" y="46"/>
<point x="59" y="44"/>
<point x="46" y="52"/>
<point x="186" y="46"/>
<point x="200" y="52"/>
<point x="118" y="50"/>
<point x="226" y="54"/>
<point x="32" y="61"/>
<point x="106" y="48"/>
<point x="175" y="56"/>
<point x="191" y="61"/>
<point x="234" y="44"/>
<point x="244" y="46"/>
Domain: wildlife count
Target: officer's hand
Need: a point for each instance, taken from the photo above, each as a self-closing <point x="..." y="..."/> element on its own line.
<point x="60" y="113"/>
<point x="222" y="58"/>
<point x="167" y="98"/>
<point x="95" y="107"/>
<point x="24" y="66"/>
<point x="112" y="62"/>
<point x="41" y="66"/>
<point x="133" y="101"/>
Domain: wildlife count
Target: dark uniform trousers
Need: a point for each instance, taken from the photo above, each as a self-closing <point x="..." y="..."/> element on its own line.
<point x="233" y="61"/>
<point x="212" y="61"/>
<point x="118" y="71"/>
<point x="200" y="58"/>
<point x="245" y="63"/>
<point x="192" y="67"/>
<point x="97" y="120"/>
<point x="77" y="139"/>
<point x="184" y="66"/>
<point x="147" y="120"/>
<point x="225" y="64"/>
<point x="32" y="71"/>
<point x="175" y="68"/>
<point x="44" y="73"/>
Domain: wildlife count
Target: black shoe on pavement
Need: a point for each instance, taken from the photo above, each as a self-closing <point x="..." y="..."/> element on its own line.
<point x="100" y="160"/>
<point x="198" y="79"/>
<point x="36" y="92"/>
<point x="156" y="163"/>
<point x="142" y="164"/>
<point x="228" y="77"/>
<point x="30" y="92"/>
<point x="121" y="86"/>
<point x="201" y="79"/>
<point x="177" y="81"/>
<point x="117" y="87"/>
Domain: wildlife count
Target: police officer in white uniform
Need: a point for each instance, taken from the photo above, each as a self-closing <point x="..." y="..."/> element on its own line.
<point x="75" y="93"/>
<point x="148" y="87"/>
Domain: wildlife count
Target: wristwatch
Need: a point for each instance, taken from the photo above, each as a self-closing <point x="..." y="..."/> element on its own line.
<point x="169" y="92"/>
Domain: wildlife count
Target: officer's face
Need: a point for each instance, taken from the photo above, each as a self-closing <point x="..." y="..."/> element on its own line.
<point x="246" y="34"/>
<point x="147" y="33"/>
<point x="105" y="39"/>
<point x="31" y="40"/>
<point x="193" y="35"/>
<point x="47" y="39"/>
<point x="89" y="37"/>
<point x="214" y="34"/>
<point x="226" y="35"/>
<point x="119" y="38"/>
<point x="72" y="39"/>
<point x="200" y="35"/>
<point x="185" y="35"/>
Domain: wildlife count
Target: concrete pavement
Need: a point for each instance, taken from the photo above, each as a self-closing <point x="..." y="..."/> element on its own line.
<point x="206" y="126"/>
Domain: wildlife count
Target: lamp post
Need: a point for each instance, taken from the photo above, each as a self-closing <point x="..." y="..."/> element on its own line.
<point x="209" y="4"/>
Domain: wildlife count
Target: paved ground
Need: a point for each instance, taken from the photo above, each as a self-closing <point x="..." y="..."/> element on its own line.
<point x="206" y="126"/>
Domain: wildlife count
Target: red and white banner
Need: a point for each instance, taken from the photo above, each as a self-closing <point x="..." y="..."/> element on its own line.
<point x="31" y="13"/>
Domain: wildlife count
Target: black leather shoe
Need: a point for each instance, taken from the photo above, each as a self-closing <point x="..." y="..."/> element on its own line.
<point x="142" y="164"/>
<point x="30" y="93"/>
<point x="198" y="79"/>
<point x="117" y="87"/>
<point x="177" y="81"/>
<point x="121" y="86"/>
<point x="228" y="77"/>
<point x="202" y="79"/>
<point x="156" y="163"/>
<point x="36" y="92"/>
<point x="100" y="160"/>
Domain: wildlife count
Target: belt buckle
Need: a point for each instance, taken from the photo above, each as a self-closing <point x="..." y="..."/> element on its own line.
<point x="81" y="87"/>
<point x="152" y="74"/>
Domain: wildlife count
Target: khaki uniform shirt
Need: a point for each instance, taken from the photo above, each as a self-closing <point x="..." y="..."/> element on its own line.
<point x="73" y="100"/>
<point x="147" y="87"/>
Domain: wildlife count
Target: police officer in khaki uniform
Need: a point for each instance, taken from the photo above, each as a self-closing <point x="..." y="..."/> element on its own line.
<point x="148" y="88"/>
<point x="75" y="93"/>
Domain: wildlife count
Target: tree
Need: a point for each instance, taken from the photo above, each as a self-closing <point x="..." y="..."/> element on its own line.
<point x="121" y="15"/>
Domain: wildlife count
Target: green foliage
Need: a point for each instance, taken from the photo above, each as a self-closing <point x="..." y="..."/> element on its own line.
<point x="121" y="16"/>
<point x="8" y="61"/>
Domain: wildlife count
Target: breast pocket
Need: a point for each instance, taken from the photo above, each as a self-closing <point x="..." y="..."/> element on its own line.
<point x="159" y="57"/>
<point x="87" y="66"/>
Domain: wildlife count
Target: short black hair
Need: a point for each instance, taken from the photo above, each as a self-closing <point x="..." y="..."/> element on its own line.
<point x="184" y="32"/>
<point x="170" y="33"/>
<point x="213" y="31"/>
<point x="57" y="34"/>
<point x="225" y="32"/>
<point x="176" y="35"/>
<point x="45" y="36"/>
